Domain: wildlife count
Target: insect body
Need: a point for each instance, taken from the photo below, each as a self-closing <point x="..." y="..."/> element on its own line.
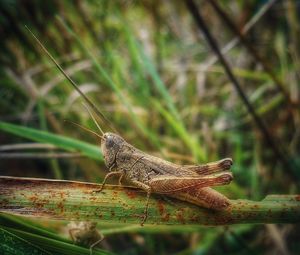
<point x="155" y="175"/>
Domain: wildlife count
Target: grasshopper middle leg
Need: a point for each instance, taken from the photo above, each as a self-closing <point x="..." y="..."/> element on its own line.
<point x="148" y="190"/>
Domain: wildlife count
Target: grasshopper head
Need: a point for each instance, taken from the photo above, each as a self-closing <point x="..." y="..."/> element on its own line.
<point x="110" y="145"/>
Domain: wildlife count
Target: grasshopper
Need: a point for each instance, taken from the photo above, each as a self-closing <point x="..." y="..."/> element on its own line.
<point x="190" y="183"/>
<point x="85" y="233"/>
<point x="155" y="175"/>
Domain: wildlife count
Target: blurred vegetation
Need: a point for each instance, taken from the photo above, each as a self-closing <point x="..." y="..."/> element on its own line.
<point x="148" y="68"/>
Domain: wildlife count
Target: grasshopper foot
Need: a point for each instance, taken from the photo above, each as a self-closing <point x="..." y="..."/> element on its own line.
<point x="145" y="216"/>
<point x="99" y="190"/>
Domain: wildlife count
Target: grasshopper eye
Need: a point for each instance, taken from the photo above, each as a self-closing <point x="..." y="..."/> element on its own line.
<point x="109" y="142"/>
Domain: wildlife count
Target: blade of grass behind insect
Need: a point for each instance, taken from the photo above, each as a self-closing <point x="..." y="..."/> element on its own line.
<point x="264" y="109"/>
<point x="142" y="92"/>
<point x="43" y="124"/>
<point x="139" y="60"/>
<point x="60" y="141"/>
<point x="113" y="86"/>
<point x="173" y="116"/>
<point x="160" y="86"/>
<point x="259" y="92"/>
<point x="254" y="171"/>
<point x="136" y="94"/>
<point x="139" y="73"/>
<point x="280" y="48"/>
<point x="197" y="151"/>
<point x="141" y="87"/>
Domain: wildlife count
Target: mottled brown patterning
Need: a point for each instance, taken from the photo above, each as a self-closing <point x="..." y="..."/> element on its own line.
<point x="154" y="175"/>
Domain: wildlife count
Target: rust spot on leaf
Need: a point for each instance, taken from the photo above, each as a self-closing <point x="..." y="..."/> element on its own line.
<point x="87" y="192"/>
<point x="166" y="217"/>
<point x="180" y="217"/>
<point x="224" y="220"/>
<point x="112" y="213"/>
<point x="33" y="198"/>
<point x="238" y="216"/>
<point x="4" y="202"/>
<point x="161" y="207"/>
<point x="62" y="194"/>
<point x="162" y="211"/>
<point x="61" y="206"/>
<point x="131" y="194"/>
<point x="297" y="197"/>
<point x="39" y="204"/>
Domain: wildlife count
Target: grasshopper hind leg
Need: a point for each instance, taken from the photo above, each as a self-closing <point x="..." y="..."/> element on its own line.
<point x="211" y="168"/>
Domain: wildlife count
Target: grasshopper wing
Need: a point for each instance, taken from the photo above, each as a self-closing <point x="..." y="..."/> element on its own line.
<point x="166" y="184"/>
<point x="210" y="168"/>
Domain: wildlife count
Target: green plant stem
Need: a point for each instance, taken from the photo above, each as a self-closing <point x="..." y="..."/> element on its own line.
<point x="70" y="200"/>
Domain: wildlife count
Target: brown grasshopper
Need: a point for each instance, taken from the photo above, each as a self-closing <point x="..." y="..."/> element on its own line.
<point x="154" y="175"/>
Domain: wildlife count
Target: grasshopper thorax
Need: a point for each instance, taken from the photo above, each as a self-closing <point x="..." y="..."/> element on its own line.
<point x="110" y="145"/>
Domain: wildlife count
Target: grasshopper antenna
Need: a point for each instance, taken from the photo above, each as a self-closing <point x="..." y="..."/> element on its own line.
<point x="88" y="101"/>
<point x="92" y="116"/>
<point x="85" y="128"/>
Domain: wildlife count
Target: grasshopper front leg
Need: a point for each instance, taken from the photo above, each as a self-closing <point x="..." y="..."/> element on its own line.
<point x="148" y="190"/>
<point x="116" y="173"/>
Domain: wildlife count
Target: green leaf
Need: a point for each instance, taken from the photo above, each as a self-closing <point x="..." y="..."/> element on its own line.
<point x="34" y="236"/>
<point x="13" y="244"/>
<point x="53" y="246"/>
<point x="108" y="80"/>
<point x="70" y="200"/>
<point x="60" y="141"/>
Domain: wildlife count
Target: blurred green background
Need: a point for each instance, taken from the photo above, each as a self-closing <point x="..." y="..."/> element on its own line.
<point x="151" y="72"/>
